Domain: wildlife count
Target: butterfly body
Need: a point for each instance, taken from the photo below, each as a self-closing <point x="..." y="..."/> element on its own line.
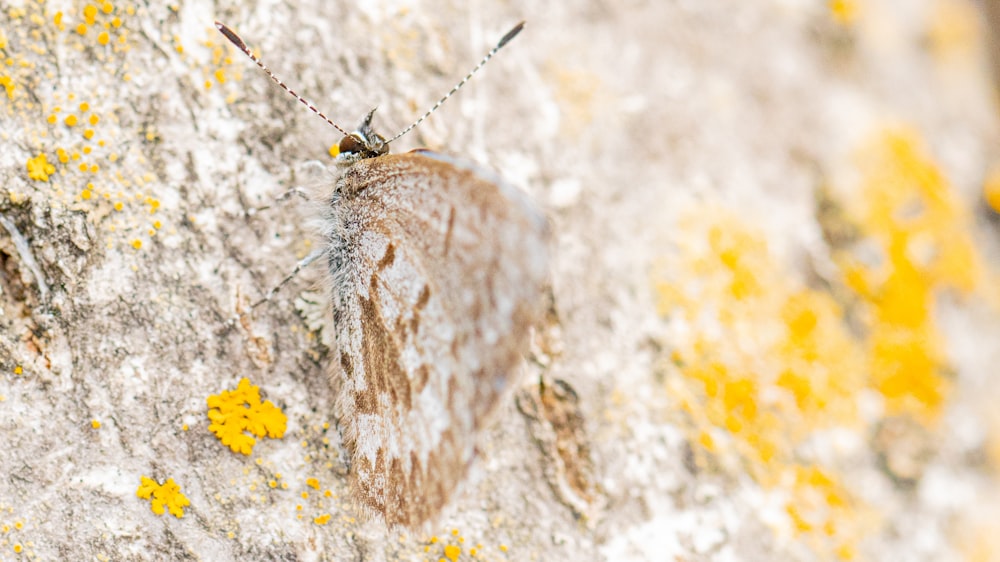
<point x="438" y="268"/>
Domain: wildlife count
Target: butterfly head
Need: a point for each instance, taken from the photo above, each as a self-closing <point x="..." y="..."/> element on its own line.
<point x="363" y="143"/>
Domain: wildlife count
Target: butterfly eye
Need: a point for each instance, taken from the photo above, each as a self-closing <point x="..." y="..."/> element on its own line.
<point x="351" y="145"/>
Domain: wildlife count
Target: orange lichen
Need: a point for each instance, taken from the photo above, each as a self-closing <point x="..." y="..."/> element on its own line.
<point x="910" y="212"/>
<point x="163" y="497"/>
<point x="765" y="362"/>
<point x="234" y="412"/>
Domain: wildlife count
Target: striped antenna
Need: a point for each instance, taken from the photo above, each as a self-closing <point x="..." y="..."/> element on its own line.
<point x="506" y="39"/>
<point x="235" y="40"/>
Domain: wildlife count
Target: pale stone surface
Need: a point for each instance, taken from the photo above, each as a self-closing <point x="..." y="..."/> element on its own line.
<point x="617" y="118"/>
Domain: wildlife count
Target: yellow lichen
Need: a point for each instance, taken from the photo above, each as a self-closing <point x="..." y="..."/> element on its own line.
<point x="235" y="412"/>
<point x="911" y="213"/>
<point x="764" y="363"/>
<point x="39" y="169"/>
<point x="322" y="519"/>
<point x="90" y="13"/>
<point x="844" y="12"/>
<point x="8" y="85"/>
<point x="452" y="552"/>
<point x="163" y="497"/>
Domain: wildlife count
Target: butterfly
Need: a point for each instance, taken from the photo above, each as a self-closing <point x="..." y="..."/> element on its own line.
<point x="437" y="269"/>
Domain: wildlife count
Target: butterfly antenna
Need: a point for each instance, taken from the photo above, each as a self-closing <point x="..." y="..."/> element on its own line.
<point x="506" y="39"/>
<point x="235" y="40"/>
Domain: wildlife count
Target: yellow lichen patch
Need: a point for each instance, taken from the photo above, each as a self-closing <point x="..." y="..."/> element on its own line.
<point x="234" y="412"/>
<point x="910" y="212"/>
<point x="452" y="552"/>
<point x="991" y="190"/>
<point x="844" y="12"/>
<point x="89" y="13"/>
<point x="8" y="86"/>
<point x="163" y="497"/>
<point x="322" y="519"/>
<point x="39" y="169"/>
<point x="764" y="363"/>
<point x="953" y="28"/>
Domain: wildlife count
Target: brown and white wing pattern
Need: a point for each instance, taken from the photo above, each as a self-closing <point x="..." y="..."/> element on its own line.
<point x="438" y="269"/>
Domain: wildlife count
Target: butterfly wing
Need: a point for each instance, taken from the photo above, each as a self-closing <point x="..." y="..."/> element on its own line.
<point x="438" y="270"/>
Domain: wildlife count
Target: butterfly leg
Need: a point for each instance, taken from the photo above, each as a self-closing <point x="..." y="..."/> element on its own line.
<point x="279" y="199"/>
<point x="313" y="256"/>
